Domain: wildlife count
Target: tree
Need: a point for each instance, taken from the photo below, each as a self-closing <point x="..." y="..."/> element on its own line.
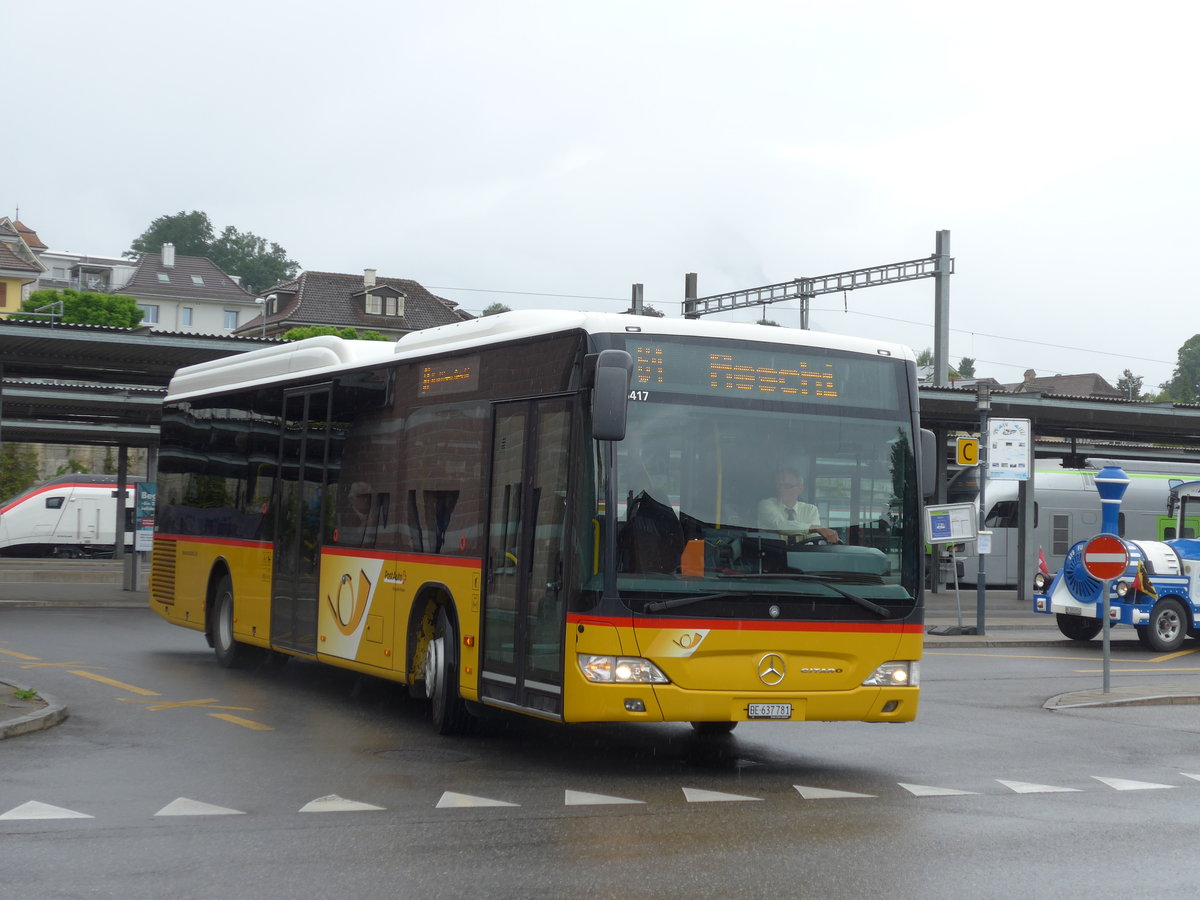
<point x="1130" y="386"/>
<point x="1184" y="386"/>
<point x="249" y="256"/>
<point x="83" y="308"/>
<point x="191" y="233"/>
<point x="966" y="368"/>
<point x="349" y="334"/>
<point x="258" y="263"/>
<point x="925" y="358"/>
<point x="647" y="310"/>
<point x="495" y="309"/>
<point x="18" y="468"/>
<point x="768" y="322"/>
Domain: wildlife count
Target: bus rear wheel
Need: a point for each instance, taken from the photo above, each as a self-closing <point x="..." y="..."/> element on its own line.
<point x="230" y="653"/>
<point x="1077" y="628"/>
<point x="450" y="714"/>
<point x="1167" y="628"/>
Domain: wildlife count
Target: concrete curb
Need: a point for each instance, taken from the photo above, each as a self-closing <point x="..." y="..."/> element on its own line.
<point x="47" y="717"/>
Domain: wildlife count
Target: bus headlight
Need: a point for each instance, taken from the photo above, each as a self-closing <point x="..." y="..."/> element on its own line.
<point x="1041" y="581"/>
<point x="1122" y="588"/>
<point x="620" y="670"/>
<point x="895" y="674"/>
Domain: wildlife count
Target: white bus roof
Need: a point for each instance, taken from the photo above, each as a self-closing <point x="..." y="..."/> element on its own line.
<point x="331" y="354"/>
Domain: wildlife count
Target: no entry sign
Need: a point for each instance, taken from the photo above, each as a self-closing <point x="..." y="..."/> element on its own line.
<point x="1105" y="557"/>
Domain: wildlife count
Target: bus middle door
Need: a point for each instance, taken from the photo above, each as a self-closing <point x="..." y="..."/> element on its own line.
<point x="299" y="518"/>
<point x="523" y="599"/>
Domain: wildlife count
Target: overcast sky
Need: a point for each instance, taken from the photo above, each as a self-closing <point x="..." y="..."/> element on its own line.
<point x="497" y="151"/>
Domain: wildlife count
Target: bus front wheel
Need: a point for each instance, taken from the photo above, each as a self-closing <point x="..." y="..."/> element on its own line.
<point x="1167" y="628"/>
<point x="230" y="653"/>
<point x="450" y="714"/>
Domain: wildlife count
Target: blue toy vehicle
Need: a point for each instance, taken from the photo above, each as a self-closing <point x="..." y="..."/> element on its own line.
<point x="1157" y="594"/>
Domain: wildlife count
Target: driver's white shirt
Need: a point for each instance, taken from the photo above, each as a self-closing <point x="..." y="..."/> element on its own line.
<point x="772" y="516"/>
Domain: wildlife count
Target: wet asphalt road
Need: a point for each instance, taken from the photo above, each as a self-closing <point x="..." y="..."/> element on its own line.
<point x="313" y="781"/>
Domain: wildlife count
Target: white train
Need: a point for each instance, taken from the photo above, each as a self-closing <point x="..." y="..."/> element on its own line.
<point x="1067" y="510"/>
<point x="70" y="516"/>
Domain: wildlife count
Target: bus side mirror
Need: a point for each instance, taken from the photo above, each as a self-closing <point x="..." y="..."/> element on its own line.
<point x="928" y="463"/>
<point x="610" y="395"/>
<point x="1172" y="504"/>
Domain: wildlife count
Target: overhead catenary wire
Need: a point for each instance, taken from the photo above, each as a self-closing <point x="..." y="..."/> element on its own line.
<point x="660" y="304"/>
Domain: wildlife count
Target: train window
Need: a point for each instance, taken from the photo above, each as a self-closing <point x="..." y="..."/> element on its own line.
<point x="1002" y="515"/>
<point x="54" y="502"/>
<point x="1060" y="536"/>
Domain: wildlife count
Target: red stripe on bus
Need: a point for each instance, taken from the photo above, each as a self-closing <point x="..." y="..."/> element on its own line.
<point x="220" y="542"/>
<point x="426" y="558"/>
<point x="749" y="625"/>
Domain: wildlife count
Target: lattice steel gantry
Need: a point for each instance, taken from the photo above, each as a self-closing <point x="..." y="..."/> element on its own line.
<point x="940" y="266"/>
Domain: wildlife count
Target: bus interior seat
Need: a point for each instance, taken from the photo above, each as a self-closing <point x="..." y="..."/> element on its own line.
<point x="652" y="538"/>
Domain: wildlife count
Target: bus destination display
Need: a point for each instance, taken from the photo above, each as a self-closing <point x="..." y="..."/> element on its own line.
<point x="449" y="377"/>
<point x="740" y="371"/>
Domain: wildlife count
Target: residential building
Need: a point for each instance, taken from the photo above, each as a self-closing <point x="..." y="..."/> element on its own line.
<point x="187" y="293"/>
<point x="1089" y="384"/>
<point x="391" y="306"/>
<point x="84" y="272"/>
<point x="19" y="265"/>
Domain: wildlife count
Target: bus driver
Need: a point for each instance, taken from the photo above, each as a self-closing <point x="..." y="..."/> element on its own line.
<point x="786" y="513"/>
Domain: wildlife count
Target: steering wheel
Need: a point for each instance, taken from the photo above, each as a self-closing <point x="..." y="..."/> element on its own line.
<point x="812" y="539"/>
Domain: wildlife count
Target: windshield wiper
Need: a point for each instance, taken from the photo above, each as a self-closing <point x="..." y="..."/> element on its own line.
<point x="882" y="611"/>
<point x="675" y="602"/>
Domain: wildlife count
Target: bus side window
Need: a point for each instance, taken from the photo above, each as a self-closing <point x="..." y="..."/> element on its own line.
<point x="54" y="502"/>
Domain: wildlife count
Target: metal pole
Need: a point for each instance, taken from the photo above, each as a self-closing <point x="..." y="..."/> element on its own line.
<point x="983" y="401"/>
<point x="689" y="296"/>
<point x="941" y="309"/>
<point x="1104" y="629"/>
<point x="637" y="304"/>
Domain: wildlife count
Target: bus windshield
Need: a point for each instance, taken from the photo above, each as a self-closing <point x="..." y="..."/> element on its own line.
<point x="729" y="497"/>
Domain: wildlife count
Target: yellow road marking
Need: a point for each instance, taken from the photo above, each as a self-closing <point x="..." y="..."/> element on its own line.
<point x="1003" y="655"/>
<point x="16" y="654"/>
<point x="114" y="683"/>
<point x="206" y="703"/>
<point x="1140" y="671"/>
<point x="49" y="665"/>
<point x="245" y="723"/>
<point x="1175" y="655"/>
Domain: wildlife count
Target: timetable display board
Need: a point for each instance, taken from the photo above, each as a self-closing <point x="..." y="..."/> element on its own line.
<point x="951" y="523"/>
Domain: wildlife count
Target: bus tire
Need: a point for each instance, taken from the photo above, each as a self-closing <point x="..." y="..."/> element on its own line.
<point x="1167" y="628"/>
<point x="1077" y="628"/>
<point x="231" y="654"/>
<point x="710" y="729"/>
<point x="450" y="714"/>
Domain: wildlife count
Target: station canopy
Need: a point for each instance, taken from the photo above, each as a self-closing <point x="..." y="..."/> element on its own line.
<point x="90" y="384"/>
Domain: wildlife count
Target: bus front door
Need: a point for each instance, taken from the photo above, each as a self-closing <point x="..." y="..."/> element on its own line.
<point x="523" y="600"/>
<point x="299" y="516"/>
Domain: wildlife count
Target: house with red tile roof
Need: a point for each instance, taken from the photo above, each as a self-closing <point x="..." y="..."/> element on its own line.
<point x="19" y="265"/>
<point x="391" y="306"/>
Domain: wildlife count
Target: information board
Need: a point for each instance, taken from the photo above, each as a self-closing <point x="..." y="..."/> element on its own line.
<point x="1009" y="449"/>
<point x="950" y="523"/>
<point x="143" y="535"/>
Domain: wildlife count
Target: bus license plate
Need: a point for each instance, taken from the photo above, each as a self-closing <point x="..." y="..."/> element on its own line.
<point x="770" y="711"/>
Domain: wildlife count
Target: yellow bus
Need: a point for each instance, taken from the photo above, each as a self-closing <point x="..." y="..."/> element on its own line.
<point x="558" y="514"/>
